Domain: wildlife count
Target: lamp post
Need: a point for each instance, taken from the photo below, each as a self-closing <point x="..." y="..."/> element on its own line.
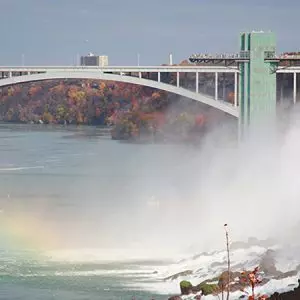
<point x="228" y="260"/>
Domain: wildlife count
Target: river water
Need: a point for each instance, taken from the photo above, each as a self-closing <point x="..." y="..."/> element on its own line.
<point x="86" y="217"/>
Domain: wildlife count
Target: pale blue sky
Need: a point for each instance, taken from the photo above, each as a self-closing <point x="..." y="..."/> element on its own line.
<point x="54" y="31"/>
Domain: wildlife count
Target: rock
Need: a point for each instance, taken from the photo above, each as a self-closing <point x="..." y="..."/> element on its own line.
<point x="236" y="283"/>
<point x="175" y="298"/>
<point x="208" y="289"/>
<point x="186" y="287"/>
<point x="286" y="274"/>
<point x="218" y="264"/>
<point x="267" y="264"/>
<point x="180" y="274"/>
<point x="201" y="254"/>
<point x="223" y="278"/>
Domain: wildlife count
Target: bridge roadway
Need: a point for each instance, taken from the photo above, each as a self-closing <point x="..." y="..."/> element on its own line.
<point x="122" y="69"/>
<point x="137" y="69"/>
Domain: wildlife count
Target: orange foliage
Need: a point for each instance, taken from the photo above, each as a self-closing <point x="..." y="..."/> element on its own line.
<point x="47" y="117"/>
<point x="156" y="95"/>
<point x="10" y="91"/>
<point x="58" y="89"/>
<point x="34" y="90"/>
<point x="102" y="85"/>
<point x="79" y="118"/>
<point x="76" y="94"/>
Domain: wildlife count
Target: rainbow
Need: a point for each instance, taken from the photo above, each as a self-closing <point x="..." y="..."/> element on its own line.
<point x="21" y="231"/>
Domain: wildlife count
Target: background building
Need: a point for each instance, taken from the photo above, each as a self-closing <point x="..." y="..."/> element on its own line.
<point x="103" y="60"/>
<point x="94" y="60"/>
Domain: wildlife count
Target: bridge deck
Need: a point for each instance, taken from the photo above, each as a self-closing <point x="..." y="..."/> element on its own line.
<point x="118" y="69"/>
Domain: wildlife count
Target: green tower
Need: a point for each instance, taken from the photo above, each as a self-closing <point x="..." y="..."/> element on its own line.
<point x="257" y="82"/>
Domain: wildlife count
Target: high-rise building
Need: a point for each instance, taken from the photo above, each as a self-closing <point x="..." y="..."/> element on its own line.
<point x="103" y="60"/>
<point x="94" y="60"/>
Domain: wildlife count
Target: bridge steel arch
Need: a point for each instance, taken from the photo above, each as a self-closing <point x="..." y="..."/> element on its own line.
<point x="220" y="105"/>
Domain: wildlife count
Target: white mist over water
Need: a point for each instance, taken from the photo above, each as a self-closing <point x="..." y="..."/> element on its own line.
<point x="159" y="201"/>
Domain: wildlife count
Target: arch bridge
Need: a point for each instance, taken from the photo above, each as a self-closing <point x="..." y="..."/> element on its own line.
<point x="134" y="75"/>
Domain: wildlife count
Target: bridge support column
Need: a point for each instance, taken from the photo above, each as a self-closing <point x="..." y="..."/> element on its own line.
<point x="224" y="87"/>
<point x="235" y="88"/>
<point x="140" y="74"/>
<point x="257" y="84"/>
<point x="9" y="74"/>
<point x="295" y="87"/>
<point x="158" y="76"/>
<point x="281" y="88"/>
<point x="197" y="82"/>
<point x="178" y="78"/>
<point x="216" y="86"/>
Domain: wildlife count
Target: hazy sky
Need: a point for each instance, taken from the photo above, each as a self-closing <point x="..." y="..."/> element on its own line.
<point x="54" y="31"/>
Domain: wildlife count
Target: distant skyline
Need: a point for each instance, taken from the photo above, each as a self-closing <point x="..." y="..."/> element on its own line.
<point x="44" y="32"/>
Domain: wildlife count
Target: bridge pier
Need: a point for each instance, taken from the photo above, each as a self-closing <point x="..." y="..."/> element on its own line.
<point x="216" y="86"/>
<point x="235" y="88"/>
<point x="295" y="87"/>
<point x="224" y="87"/>
<point x="197" y="82"/>
<point x="177" y="79"/>
<point x="158" y="76"/>
<point x="281" y="89"/>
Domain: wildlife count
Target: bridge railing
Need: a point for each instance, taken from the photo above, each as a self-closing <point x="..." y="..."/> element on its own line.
<point x="222" y="56"/>
<point x="241" y="55"/>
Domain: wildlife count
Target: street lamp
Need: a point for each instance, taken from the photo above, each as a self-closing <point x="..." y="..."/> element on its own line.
<point x="228" y="260"/>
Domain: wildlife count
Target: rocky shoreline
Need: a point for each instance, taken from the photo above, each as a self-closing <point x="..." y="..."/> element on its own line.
<point x="291" y="295"/>
<point x="240" y="280"/>
<point x="206" y="288"/>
